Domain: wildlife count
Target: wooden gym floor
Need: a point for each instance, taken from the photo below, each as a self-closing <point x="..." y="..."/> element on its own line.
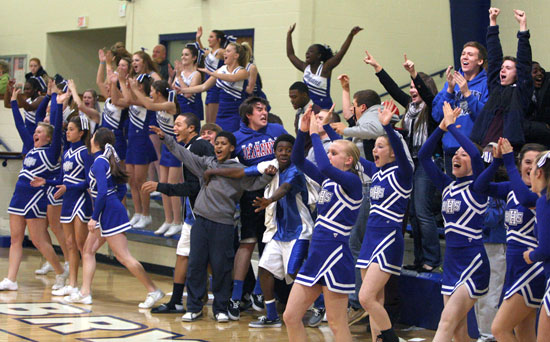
<point x="31" y="314"/>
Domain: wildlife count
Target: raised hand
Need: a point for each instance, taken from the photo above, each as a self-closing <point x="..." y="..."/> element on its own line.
<point x="385" y="114"/>
<point x="409" y="66"/>
<point x="304" y="123"/>
<point x="261" y="203"/>
<point x="449" y="114"/>
<point x="179" y="66"/>
<point x="37" y="182"/>
<point x="369" y="59"/>
<point x="63" y="97"/>
<point x="61" y="189"/>
<point x="355" y="30"/>
<point x="157" y="131"/>
<point x="149" y="187"/>
<point x="313" y="126"/>
<point x="51" y="87"/>
<point x="521" y="19"/>
<point x="497" y="152"/>
<point x="505" y="146"/>
<point x="450" y="79"/>
<point x="133" y="84"/>
<point x="344" y="81"/>
<point x="15" y="93"/>
<point x="198" y="35"/>
<point x="291" y="28"/>
<point x="462" y="84"/>
<point x="493" y="14"/>
<point x="101" y="55"/>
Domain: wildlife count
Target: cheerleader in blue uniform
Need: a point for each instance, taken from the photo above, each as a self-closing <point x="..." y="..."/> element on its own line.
<point x="77" y="204"/>
<point x="28" y="205"/>
<point x="382" y="250"/>
<point x="329" y="264"/>
<point x="230" y="79"/>
<point x="466" y="266"/>
<point x="113" y="117"/>
<point x="318" y="65"/>
<point x="162" y="101"/>
<point x="540" y="184"/>
<point x="213" y="61"/>
<point x="253" y="86"/>
<point x="87" y="106"/>
<point x="140" y="152"/>
<point x="187" y="75"/>
<point x="523" y="284"/>
<point x="109" y="220"/>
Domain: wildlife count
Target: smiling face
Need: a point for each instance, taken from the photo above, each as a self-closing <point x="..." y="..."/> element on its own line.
<point x="209" y="136"/>
<point x="88" y="99"/>
<point x="182" y="130"/>
<point x="282" y="153"/>
<point x="223" y="148"/>
<point x="339" y="157"/>
<point x="187" y="57"/>
<point x="537" y="72"/>
<point x="230" y="55"/>
<point x="213" y="40"/>
<point x="41" y="136"/>
<point x="470" y="63"/>
<point x="508" y="73"/>
<point x="123" y="65"/>
<point x="462" y="164"/>
<point x="526" y="166"/>
<point x="382" y="152"/>
<point x="73" y="133"/>
<point x="258" y="119"/>
<point x="137" y="64"/>
<point x="414" y="94"/>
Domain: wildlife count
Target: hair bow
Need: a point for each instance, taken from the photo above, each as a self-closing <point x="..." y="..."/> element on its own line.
<point x="543" y="159"/>
<point x="110" y="151"/>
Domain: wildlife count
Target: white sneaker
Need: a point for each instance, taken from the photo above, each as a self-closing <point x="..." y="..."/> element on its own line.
<point x="8" y="285"/>
<point x="78" y="298"/>
<point x="174" y="229"/>
<point x="143" y="222"/>
<point x="45" y="269"/>
<point x="135" y="219"/>
<point x="64" y="291"/>
<point x="155" y="194"/>
<point x="152" y="298"/>
<point x="60" y="280"/>
<point x="222" y="317"/>
<point x="162" y="229"/>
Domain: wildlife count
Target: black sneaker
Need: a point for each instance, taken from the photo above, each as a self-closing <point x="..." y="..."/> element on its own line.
<point x="263" y="322"/>
<point x="316" y="318"/>
<point x="257" y="302"/>
<point x="233" y="309"/>
<point x="168" y="308"/>
<point x="246" y="302"/>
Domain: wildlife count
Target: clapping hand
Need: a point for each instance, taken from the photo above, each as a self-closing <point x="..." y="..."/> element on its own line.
<point x="385" y="114"/>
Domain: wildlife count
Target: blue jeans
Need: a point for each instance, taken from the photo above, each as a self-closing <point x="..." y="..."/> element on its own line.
<point x="422" y="217"/>
<point x="355" y="241"/>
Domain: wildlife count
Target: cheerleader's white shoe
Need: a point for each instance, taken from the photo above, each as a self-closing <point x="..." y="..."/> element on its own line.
<point x="174" y="229"/>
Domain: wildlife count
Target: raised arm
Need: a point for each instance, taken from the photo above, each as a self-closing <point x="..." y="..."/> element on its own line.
<point x="425" y="157"/>
<point x="252" y="76"/>
<point x="55" y="149"/>
<point x="405" y="169"/>
<point x="167" y="106"/>
<point x="524" y="195"/>
<point x="100" y="76"/>
<point x="92" y="113"/>
<point x="333" y="62"/>
<point x="298" y="157"/>
<point x="117" y="97"/>
<point x="542" y="252"/>
<point x="494" y="50"/>
<point x="24" y="134"/>
<point x="297" y="62"/>
<point x="483" y="184"/>
<point x="470" y="148"/>
<point x="198" y="36"/>
<point x="346" y="101"/>
<point x="523" y="61"/>
<point x="43" y="107"/>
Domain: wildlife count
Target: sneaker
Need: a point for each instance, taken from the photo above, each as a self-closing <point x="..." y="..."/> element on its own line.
<point x="64" y="291"/>
<point x="355" y="315"/>
<point x="78" y="298"/>
<point x="8" y="285"/>
<point x="168" y="308"/>
<point x="173" y="230"/>
<point x="316" y="318"/>
<point x="233" y="309"/>
<point x="155" y="194"/>
<point x="162" y="229"/>
<point x="264" y="322"/>
<point x="191" y="316"/>
<point x="143" y="222"/>
<point x="152" y="298"/>
<point x="60" y="281"/>
<point x="45" y="269"/>
<point x="221" y="317"/>
<point x="257" y="302"/>
<point x="135" y="219"/>
<point x="246" y="302"/>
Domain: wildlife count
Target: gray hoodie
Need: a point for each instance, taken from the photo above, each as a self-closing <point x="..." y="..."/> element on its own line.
<point x="217" y="200"/>
<point x="368" y="127"/>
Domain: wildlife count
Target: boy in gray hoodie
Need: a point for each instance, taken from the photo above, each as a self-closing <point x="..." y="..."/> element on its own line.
<point x="212" y="234"/>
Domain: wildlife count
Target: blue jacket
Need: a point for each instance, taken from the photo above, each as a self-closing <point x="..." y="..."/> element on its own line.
<point x="493" y="224"/>
<point x="513" y="100"/>
<point x="471" y="106"/>
<point x="257" y="146"/>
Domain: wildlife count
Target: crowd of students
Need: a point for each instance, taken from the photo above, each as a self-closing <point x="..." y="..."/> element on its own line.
<point x="325" y="209"/>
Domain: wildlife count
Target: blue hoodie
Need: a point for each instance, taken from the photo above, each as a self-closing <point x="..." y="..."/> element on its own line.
<point x="257" y="146"/>
<point x="471" y="106"/>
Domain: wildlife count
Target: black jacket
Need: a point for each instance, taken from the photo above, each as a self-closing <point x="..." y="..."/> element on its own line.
<point x="536" y="125"/>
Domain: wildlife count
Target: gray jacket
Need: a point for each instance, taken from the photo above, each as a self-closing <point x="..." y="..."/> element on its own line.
<point x="217" y="200"/>
<point x="368" y="128"/>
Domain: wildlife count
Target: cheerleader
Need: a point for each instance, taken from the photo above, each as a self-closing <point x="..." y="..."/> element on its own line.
<point x="382" y="250"/>
<point x="318" y="65"/>
<point x="30" y="103"/>
<point x="162" y="101"/>
<point x="523" y="284"/>
<point x="109" y="220"/>
<point x="187" y="75"/>
<point x="253" y="86"/>
<point x="77" y="205"/>
<point x="140" y="152"/>
<point x="213" y="61"/>
<point x="466" y="266"/>
<point x="337" y="207"/>
<point x="87" y="106"/>
<point x="28" y="205"/>
<point x="230" y="79"/>
<point x="540" y="182"/>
